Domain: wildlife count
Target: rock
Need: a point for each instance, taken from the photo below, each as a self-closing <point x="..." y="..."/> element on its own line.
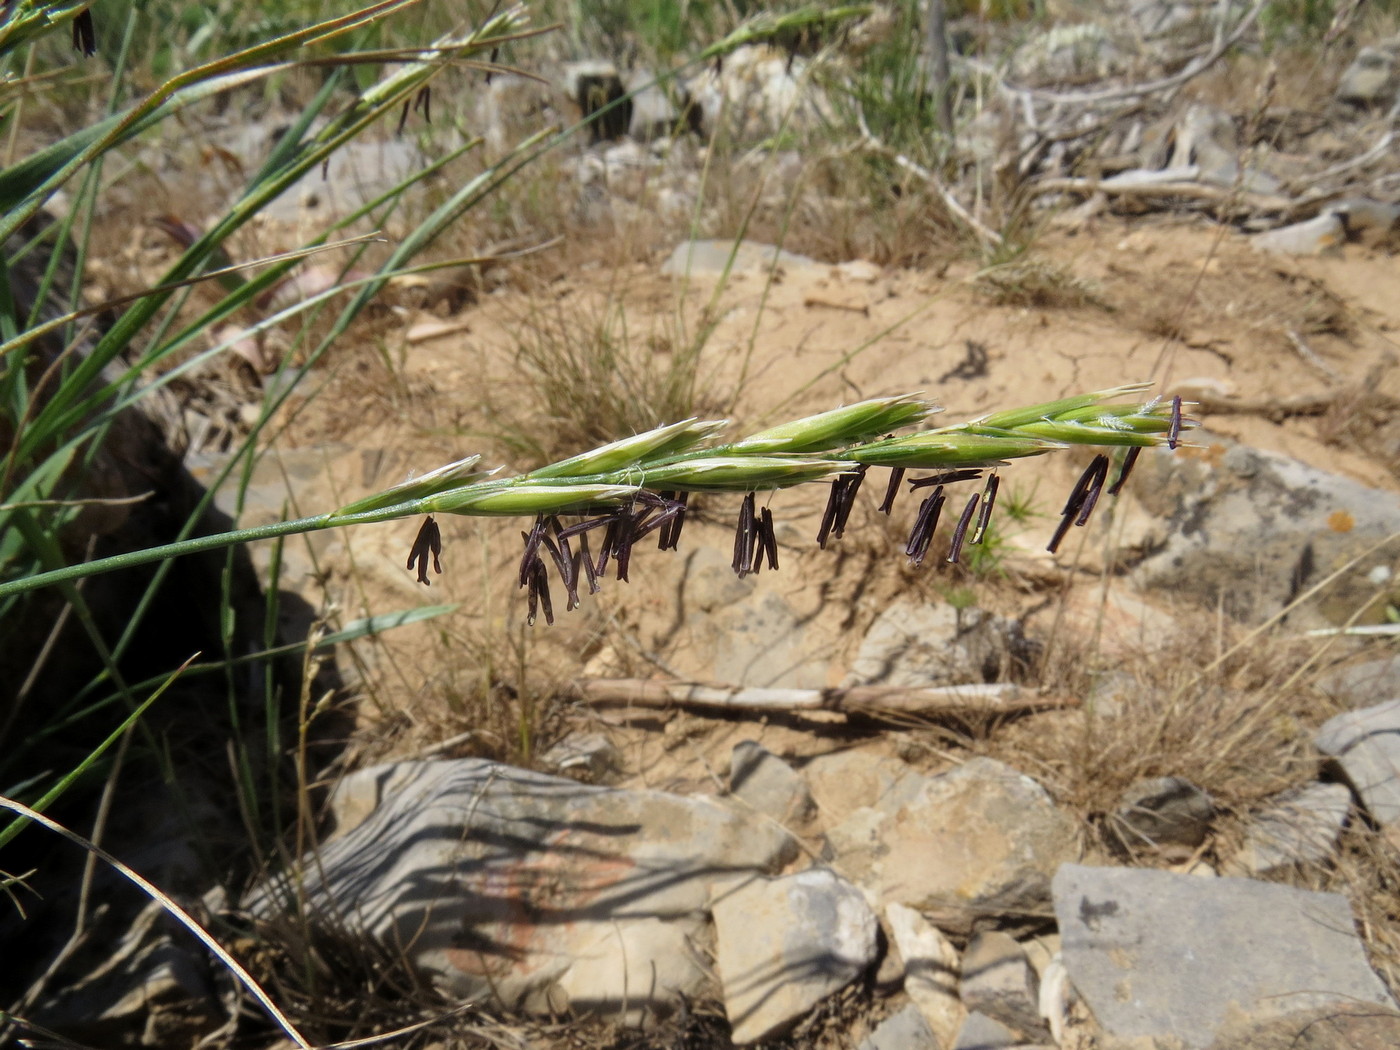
<point x="758" y="91"/>
<point x="1334" y="1027"/>
<point x="1366" y="744"/>
<point x="1370" y="80"/>
<point x="1056" y="997"/>
<point x="1250" y="530"/>
<point x="1323" y="233"/>
<point x="591" y="758"/>
<point x="1369" y="221"/>
<point x="980" y="1032"/>
<point x="596" y="88"/>
<point x="1162" y="812"/>
<point x="713" y="258"/>
<point x="981" y="840"/>
<point x="659" y="109"/>
<point x="906" y="1030"/>
<point x="1362" y="685"/>
<point x="1068" y="52"/>
<point x="931" y="970"/>
<point x="530" y="891"/>
<point x="1297" y="828"/>
<point x="784" y="945"/>
<point x="761" y="642"/>
<point x="1205" y="138"/>
<point x="912" y="644"/>
<point x="998" y="981"/>
<point x="768" y="784"/>
<point x="1163" y="18"/>
<point x="1172" y="958"/>
<point x="845" y="781"/>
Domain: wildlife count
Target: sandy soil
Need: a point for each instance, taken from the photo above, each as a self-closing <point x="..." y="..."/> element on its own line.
<point x="1183" y="303"/>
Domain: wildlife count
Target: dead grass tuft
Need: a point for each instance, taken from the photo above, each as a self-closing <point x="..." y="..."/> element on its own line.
<point x="586" y="377"/>
<point x="1240" y="728"/>
<point x="1035" y="281"/>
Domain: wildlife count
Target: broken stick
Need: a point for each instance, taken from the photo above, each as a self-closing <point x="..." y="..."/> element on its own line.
<point x="974" y="700"/>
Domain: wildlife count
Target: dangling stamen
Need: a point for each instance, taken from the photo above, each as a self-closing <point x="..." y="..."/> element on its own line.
<point x="922" y="533"/>
<point x="532" y="549"/>
<point x="1091" y="497"/>
<point x="1074" y="512"/>
<point x="1174" y="434"/>
<point x="428" y="543"/>
<point x="1129" y="461"/>
<point x="989" y="497"/>
<point x="948" y="477"/>
<point x="539" y="591"/>
<point x="848" y="500"/>
<point x="586" y="563"/>
<point x="767" y="539"/>
<point x="955" y="548"/>
<point x="892" y="490"/>
<point x="744" y="538"/>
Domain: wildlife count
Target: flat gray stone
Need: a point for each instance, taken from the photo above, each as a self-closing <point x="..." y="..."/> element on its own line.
<point x="1296" y="828"/>
<point x="530" y="891"/>
<point x="1160" y="956"/>
<point x="1246" y="532"/>
<point x="769" y="785"/>
<point x="980" y="1032"/>
<point x="784" y="945"/>
<point x="1323" y="233"/>
<point x="712" y="258"/>
<point x="906" y="1030"/>
<point x="997" y="980"/>
<point x="980" y="840"/>
<point x="1366" y="744"/>
<point x="1369" y="221"/>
